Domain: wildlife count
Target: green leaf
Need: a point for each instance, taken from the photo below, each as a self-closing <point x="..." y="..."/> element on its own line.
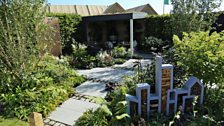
<point x="119" y="117"/>
<point x="105" y="109"/>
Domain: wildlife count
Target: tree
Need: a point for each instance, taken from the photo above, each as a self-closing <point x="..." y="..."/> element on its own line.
<point x="193" y="15"/>
<point x="21" y="29"/>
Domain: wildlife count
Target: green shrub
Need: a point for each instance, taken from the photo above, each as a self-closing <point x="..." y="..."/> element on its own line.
<point x="94" y="117"/>
<point x="119" y="61"/>
<point x="213" y="103"/>
<point x="80" y="57"/>
<point x="30" y="81"/>
<point x="202" y="56"/>
<point x="104" y="59"/>
<point x="50" y="83"/>
<point x="119" y="52"/>
<point x="165" y="26"/>
<point x="105" y="116"/>
<point x="159" y="26"/>
<point x="21" y="32"/>
<point x="153" y="43"/>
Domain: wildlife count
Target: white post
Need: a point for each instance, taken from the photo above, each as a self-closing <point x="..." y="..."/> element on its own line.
<point x="159" y="80"/>
<point x="131" y="37"/>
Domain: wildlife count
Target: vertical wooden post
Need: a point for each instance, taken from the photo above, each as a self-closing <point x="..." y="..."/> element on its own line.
<point x="35" y="119"/>
<point x="166" y="78"/>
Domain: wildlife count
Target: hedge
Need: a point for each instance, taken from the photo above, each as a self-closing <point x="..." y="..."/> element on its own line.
<point x="165" y="26"/>
<point x="159" y="26"/>
<point x="68" y="29"/>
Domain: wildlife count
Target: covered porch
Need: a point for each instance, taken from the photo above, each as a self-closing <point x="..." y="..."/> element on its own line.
<point x="125" y="29"/>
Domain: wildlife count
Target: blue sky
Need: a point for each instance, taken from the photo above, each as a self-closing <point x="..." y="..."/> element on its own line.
<point x="156" y="4"/>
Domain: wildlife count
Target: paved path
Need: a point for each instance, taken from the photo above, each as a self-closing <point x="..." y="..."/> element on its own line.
<point x="91" y="88"/>
<point x="107" y="74"/>
<point x="70" y="111"/>
<point x="131" y="62"/>
<point x="97" y="78"/>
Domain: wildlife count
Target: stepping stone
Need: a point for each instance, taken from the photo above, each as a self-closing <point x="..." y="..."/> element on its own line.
<point x="106" y="74"/>
<point x="51" y="122"/>
<point x="57" y="124"/>
<point x="71" y="110"/>
<point x="46" y="120"/>
<point x="90" y="88"/>
<point x="131" y="62"/>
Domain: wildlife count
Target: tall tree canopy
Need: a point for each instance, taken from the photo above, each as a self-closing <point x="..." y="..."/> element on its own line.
<point x="193" y="15"/>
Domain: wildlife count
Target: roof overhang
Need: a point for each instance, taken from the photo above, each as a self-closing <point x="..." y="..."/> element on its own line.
<point x="114" y="17"/>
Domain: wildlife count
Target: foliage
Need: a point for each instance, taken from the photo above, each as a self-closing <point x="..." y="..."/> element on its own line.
<point x="218" y="25"/>
<point x="194" y="15"/>
<point x="80" y="57"/>
<point x="202" y="55"/>
<point x="119" y="52"/>
<point x="119" y="61"/>
<point x="96" y="117"/>
<point x="159" y="26"/>
<point x="153" y="43"/>
<point x="11" y="122"/>
<point x="179" y="73"/>
<point x="30" y="81"/>
<point x="213" y="104"/>
<point x="68" y="27"/>
<point x="50" y="83"/>
<point x="21" y="29"/>
<point x="120" y="116"/>
<point x="105" y="115"/>
<point x="165" y="26"/>
<point x="104" y="59"/>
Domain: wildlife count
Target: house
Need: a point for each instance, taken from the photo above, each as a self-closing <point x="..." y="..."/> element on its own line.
<point x="114" y="8"/>
<point x="147" y="8"/>
<point x="103" y="25"/>
<point x="83" y="10"/>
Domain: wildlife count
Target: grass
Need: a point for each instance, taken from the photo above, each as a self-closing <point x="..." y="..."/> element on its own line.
<point x="11" y="122"/>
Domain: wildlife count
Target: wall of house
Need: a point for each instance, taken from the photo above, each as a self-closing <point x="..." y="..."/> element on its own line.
<point x="101" y="32"/>
<point x="123" y="30"/>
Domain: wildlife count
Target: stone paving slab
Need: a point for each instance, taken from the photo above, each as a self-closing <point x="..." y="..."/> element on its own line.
<point x="131" y="62"/>
<point x="71" y="110"/>
<point x="106" y="74"/>
<point x="92" y="89"/>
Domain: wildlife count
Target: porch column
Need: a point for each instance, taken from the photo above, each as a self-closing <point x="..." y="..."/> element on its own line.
<point x="131" y="37"/>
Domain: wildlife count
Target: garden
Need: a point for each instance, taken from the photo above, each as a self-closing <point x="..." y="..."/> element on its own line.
<point x="33" y="80"/>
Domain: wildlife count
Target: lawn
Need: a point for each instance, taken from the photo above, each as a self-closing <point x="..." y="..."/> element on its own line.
<point x="12" y="122"/>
